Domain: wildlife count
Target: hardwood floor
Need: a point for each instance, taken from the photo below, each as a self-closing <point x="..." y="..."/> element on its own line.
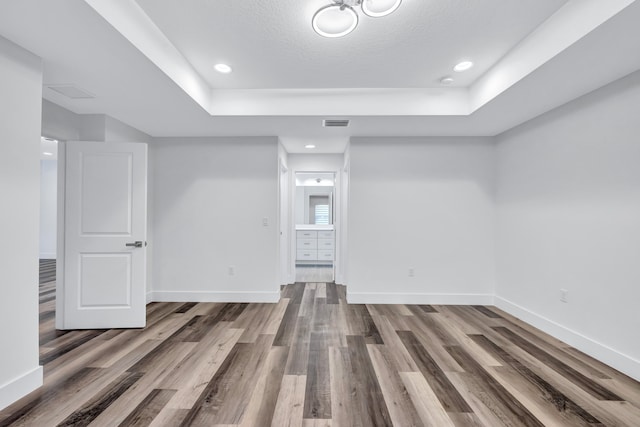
<point x="313" y="360"/>
<point x="314" y="273"/>
<point x="47" y="270"/>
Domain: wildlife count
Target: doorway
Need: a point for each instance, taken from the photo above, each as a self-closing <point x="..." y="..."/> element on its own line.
<point x="48" y="207"/>
<point x="315" y="226"/>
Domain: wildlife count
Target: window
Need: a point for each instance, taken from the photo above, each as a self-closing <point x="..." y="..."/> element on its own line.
<point x="322" y="214"/>
<point x="319" y="210"/>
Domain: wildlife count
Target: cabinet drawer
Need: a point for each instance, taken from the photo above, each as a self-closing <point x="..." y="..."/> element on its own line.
<point x="325" y="244"/>
<point x="325" y="234"/>
<point x="307" y="234"/>
<point x="325" y="255"/>
<point x="307" y="244"/>
<point x="304" y="255"/>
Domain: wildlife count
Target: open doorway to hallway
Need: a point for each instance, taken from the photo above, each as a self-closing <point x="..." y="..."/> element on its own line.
<point x="315" y="226"/>
<point x="48" y="231"/>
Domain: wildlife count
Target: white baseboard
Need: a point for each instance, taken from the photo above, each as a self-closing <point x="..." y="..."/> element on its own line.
<point x="20" y="387"/>
<point x="603" y="353"/>
<point x="200" y="296"/>
<point x="149" y="297"/>
<point x="47" y="255"/>
<point x="403" y="298"/>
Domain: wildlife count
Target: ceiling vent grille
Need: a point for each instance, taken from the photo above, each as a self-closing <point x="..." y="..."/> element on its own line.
<point x="71" y="91"/>
<point x="341" y="123"/>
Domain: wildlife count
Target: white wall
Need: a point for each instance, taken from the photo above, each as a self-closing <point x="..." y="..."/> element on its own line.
<point x="20" y="109"/>
<point x="65" y="125"/>
<point x="315" y="162"/>
<point x="59" y="123"/>
<point x="48" y="208"/>
<point x="569" y="218"/>
<point x="426" y="204"/>
<point x="117" y="131"/>
<point x="210" y="198"/>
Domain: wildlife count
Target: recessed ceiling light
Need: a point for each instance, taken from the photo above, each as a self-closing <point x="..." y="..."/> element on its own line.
<point x="44" y="138"/>
<point x="463" y="66"/>
<point x="222" y="68"/>
<point x="446" y="80"/>
<point x="46" y="153"/>
<point x="309" y="146"/>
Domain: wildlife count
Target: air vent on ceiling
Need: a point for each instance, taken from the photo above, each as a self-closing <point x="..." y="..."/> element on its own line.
<point x="71" y="91"/>
<point x="335" y="123"/>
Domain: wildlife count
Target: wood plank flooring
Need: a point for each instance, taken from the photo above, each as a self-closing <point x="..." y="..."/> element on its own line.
<point x="313" y="360"/>
<point x="47" y="270"/>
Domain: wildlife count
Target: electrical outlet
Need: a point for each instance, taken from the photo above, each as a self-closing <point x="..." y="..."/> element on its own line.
<point x="412" y="272"/>
<point x="232" y="270"/>
<point x="564" y="295"/>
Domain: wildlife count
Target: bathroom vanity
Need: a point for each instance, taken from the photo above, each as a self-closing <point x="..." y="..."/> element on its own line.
<point x="315" y="243"/>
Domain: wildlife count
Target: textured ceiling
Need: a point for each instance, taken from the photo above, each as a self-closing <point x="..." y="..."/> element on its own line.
<point x="137" y="70"/>
<point x="270" y="44"/>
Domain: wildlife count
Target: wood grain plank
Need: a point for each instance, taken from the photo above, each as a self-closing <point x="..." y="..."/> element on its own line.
<point x="343" y="389"/>
<point x="227" y="395"/>
<point x="398" y="401"/>
<point x="487" y="311"/>
<point x="192" y="375"/>
<point x="495" y="396"/>
<point x="588" y="385"/>
<point x="289" y="406"/>
<point x="400" y="357"/>
<point x="317" y="402"/>
<point x="148" y="409"/>
<point x="332" y="293"/>
<point x="95" y="406"/>
<point x="371" y="407"/>
<point x="572" y="414"/>
<point x="362" y="324"/>
<point x="132" y="397"/>
<point x="288" y="325"/>
<point x="262" y="406"/>
<point x="448" y="395"/>
<point x="299" y="354"/>
<point x="427" y="404"/>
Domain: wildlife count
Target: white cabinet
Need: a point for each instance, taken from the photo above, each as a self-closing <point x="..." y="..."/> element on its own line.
<point x="315" y="245"/>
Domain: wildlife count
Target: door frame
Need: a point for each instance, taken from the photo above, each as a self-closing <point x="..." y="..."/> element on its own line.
<point x="338" y="217"/>
<point x="60" y="242"/>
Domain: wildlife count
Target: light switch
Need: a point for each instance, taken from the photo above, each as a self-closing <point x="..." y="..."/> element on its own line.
<point x="265" y="222"/>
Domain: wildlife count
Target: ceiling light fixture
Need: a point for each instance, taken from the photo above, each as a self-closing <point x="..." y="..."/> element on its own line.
<point x="463" y="66"/>
<point x="309" y="146"/>
<point x="46" y="153"/>
<point x="340" y="18"/>
<point x="446" y="80"/>
<point x="222" y="68"/>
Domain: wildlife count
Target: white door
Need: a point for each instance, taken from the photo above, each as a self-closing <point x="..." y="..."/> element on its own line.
<point x="105" y="229"/>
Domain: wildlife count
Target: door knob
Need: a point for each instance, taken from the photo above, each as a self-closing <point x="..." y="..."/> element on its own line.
<point x="136" y="244"/>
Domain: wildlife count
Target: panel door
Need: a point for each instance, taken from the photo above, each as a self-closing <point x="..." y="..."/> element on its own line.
<point x="105" y="230"/>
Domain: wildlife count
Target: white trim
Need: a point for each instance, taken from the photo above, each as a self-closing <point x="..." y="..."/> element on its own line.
<point x="599" y="351"/>
<point x="20" y="387"/>
<point x="421" y="298"/>
<point x="150" y="297"/>
<point x="213" y="296"/>
<point x="60" y="242"/>
<point x="47" y="255"/>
